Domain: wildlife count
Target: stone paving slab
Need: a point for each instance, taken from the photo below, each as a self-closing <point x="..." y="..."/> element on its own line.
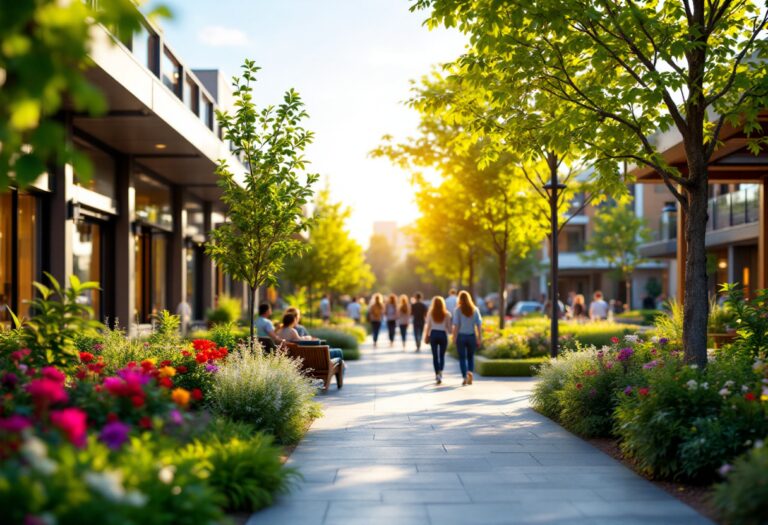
<point x="393" y="448"/>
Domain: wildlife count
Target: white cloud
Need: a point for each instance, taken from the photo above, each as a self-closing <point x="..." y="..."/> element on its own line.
<point x="221" y="36"/>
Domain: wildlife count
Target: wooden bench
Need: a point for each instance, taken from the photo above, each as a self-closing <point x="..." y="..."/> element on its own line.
<point x="316" y="361"/>
<point x="267" y="344"/>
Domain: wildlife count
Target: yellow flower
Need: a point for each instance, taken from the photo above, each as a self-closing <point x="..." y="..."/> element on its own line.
<point x="167" y="371"/>
<point x="180" y="396"/>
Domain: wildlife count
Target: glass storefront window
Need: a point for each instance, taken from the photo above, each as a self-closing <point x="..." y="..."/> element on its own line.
<point x="6" y="256"/>
<point x="170" y="72"/>
<point x="159" y="273"/>
<point x="102" y="179"/>
<point x="153" y="202"/>
<point x="195" y="219"/>
<point x="86" y="262"/>
<point x="192" y="255"/>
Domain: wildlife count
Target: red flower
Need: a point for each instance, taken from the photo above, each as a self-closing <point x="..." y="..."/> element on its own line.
<point x="197" y="394"/>
<point x="147" y="365"/>
<point x="181" y="369"/>
<point x="146" y="423"/>
<point x="131" y="364"/>
<point x="166" y="362"/>
<point x="750" y="396"/>
<point x="165" y="382"/>
<point x="111" y="416"/>
<point x="615" y="340"/>
<point x="644" y="391"/>
<point x="579" y="386"/>
<point x="137" y="401"/>
<point x="203" y="345"/>
<point x="81" y="373"/>
<point x="186" y="353"/>
<point x="86" y="357"/>
<point x="202" y="357"/>
<point x="72" y="422"/>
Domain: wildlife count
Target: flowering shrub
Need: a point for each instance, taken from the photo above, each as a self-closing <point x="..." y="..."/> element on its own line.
<point x="268" y="391"/>
<point x="743" y="498"/>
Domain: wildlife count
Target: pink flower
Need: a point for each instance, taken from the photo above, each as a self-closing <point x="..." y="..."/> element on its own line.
<point x="19" y="355"/>
<point x="15" y="423"/>
<point x="47" y="391"/>
<point x="615" y="340"/>
<point x="53" y="373"/>
<point x="651" y="364"/>
<point x="625" y="354"/>
<point x="644" y="391"/>
<point x="72" y="422"/>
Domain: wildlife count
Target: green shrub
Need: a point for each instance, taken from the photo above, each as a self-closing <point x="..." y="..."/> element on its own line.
<point x="751" y="319"/>
<point x="743" y="498"/>
<point x="552" y="378"/>
<point x="509" y="367"/>
<point x="670" y="325"/>
<point x="225" y="335"/>
<point x="246" y="472"/>
<point x="594" y="334"/>
<point x="268" y="391"/>
<point x="228" y="310"/>
<point x="511" y="347"/>
<point x="336" y="338"/>
<point x="643" y="317"/>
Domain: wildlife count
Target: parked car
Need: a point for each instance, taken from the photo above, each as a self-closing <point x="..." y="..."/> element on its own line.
<point x="523" y="308"/>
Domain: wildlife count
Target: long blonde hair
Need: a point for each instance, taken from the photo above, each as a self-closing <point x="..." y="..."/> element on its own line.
<point x="466" y="305"/>
<point x="392" y="299"/>
<point x="377" y="299"/>
<point x="437" y="311"/>
<point x="405" y="307"/>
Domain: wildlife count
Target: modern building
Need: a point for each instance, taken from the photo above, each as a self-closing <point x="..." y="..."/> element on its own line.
<point x="137" y="226"/>
<point x="585" y="276"/>
<point x="736" y="239"/>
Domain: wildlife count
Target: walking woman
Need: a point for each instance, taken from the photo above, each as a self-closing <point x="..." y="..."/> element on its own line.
<point x="403" y="317"/>
<point x="391" y="313"/>
<point x="467" y="334"/>
<point x="419" y="316"/>
<point x="375" y="315"/>
<point x="436" y="334"/>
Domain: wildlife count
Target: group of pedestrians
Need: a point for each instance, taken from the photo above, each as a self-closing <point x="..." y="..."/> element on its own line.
<point x="455" y="317"/>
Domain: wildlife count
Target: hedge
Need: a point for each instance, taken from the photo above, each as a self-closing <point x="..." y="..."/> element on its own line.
<point x="508" y="367"/>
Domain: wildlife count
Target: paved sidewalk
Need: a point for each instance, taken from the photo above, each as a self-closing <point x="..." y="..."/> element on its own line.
<point x="395" y="449"/>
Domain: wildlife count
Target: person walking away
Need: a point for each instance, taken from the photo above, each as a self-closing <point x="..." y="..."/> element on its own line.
<point x="579" y="308"/>
<point x="403" y="317"/>
<point x="325" y="309"/>
<point x="467" y="334"/>
<point x="436" y="334"/>
<point x="450" y="301"/>
<point x="598" y="308"/>
<point x="375" y="316"/>
<point x="419" y="316"/>
<point x="353" y="310"/>
<point x="391" y="314"/>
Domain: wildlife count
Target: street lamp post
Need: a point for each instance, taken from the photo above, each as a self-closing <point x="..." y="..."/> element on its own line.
<point x="552" y="189"/>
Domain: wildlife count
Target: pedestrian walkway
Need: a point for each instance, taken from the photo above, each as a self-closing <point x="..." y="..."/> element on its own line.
<point x="395" y="449"/>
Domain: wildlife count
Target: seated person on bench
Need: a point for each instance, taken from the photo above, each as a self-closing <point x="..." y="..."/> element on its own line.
<point x="288" y="332"/>
<point x="264" y="326"/>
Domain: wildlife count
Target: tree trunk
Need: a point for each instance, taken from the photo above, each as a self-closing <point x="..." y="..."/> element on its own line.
<point x="502" y="286"/>
<point x="696" y="302"/>
<point x="471" y="268"/>
<point x="251" y="316"/>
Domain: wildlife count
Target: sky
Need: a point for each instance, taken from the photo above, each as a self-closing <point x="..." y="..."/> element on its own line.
<point x="351" y="61"/>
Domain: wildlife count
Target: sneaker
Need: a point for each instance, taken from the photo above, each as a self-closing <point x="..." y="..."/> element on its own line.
<point x="438" y="379"/>
<point x="469" y="378"/>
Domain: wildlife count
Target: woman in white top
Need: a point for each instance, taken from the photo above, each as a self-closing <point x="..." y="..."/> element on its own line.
<point x="403" y="316"/>
<point x="390" y="311"/>
<point x="288" y="330"/>
<point x="436" y="334"/>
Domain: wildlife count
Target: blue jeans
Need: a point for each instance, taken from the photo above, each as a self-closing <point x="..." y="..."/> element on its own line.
<point x="438" y="340"/>
<point x="466" y="345"/>
<point x="418" y="333"/>
<point x="403" y="331"/>
<point x="392" y="329"/>
<point x="336" y="352"/>
<point x="375" y="327"/>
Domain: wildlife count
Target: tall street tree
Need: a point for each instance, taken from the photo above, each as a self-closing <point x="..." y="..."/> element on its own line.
<point x="265" y="206"/>
<point x="617" y="236"/>
<point x="630" y="70"/>
<point x="333" y="261"/>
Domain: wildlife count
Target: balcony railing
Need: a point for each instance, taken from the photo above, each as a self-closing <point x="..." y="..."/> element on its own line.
<point x="727" y="210"/>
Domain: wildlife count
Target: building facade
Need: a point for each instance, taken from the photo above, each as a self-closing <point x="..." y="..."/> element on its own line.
<point x="138" y="224"/>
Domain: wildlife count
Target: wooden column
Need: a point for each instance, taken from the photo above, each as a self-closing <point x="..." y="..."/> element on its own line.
<point x="682" y="250"/>
<point x="762" y="241"/>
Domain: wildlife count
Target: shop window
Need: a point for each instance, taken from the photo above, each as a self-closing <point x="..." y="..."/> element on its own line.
<point x="153" y="202"/>
<point x="151" y="275"/>
<point x="170" y="72"/>
<point x="102" y="179"/>
<point x="28" y="251"/>
<point x="87" y="262"/>
<point x="195" y="219"/>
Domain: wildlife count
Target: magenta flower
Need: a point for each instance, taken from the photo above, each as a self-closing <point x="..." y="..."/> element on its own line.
<point x="53" y="373"/>
<point x="651" y="364"/>
<point x="47" y="391"/>
<point x="114" y="434"/>
<point x="625" y="354"/>
<point x="176" y="417"/>
<point x="10" y="380"/>
<point x="628" y="390"/>
<point x="210" y="367"/>
<point x="15" y="423"/>
<point x="72" y="422"/>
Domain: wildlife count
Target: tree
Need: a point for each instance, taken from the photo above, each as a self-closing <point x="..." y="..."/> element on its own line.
<point x="630" y="70"/>
<point x="380" y="256"/>
<point x="265" y="212"/>
<point x="333" y="261"/>
<point x="616" y="239"/>
<point x="43" y="63"/>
